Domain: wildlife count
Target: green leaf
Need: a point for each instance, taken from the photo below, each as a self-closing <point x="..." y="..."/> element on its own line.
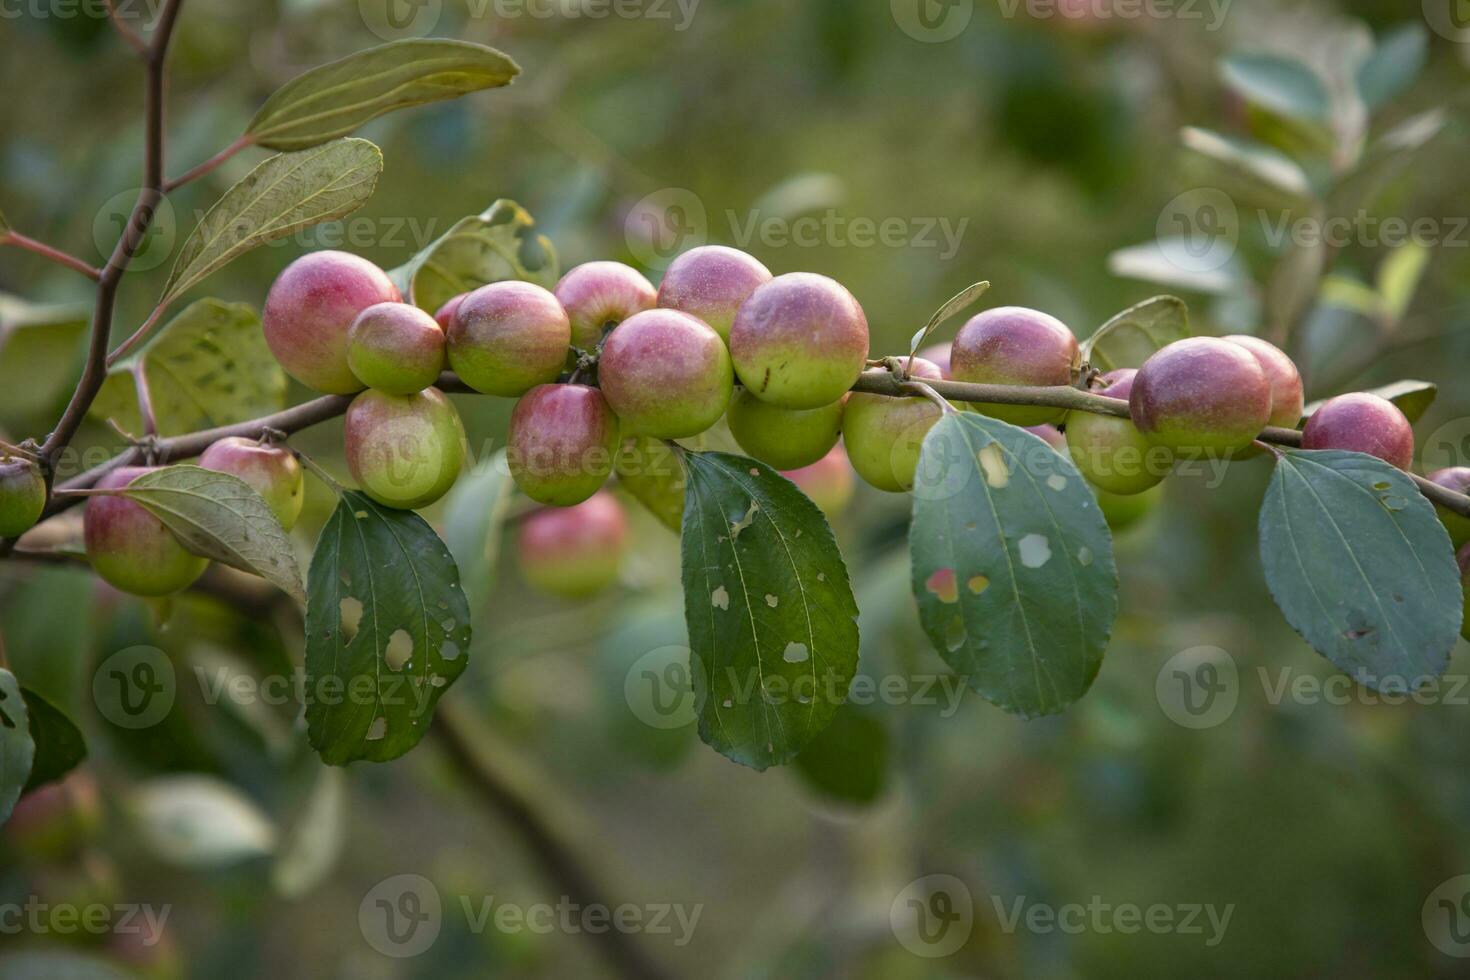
<point x="286" y="193"/>
<point x="208" y="367"/>
<point x="1262" y="162"/>
<point x="649" y="470"/>
<point x="1395" y="63"/>
<point x="220" y="517"/>
<point x="473" y="520"/>
<point x="60" y="747"/>
<point x="387" y="631"/>
<point x="199" y="822"/>
<point x="1012" y="564"/>
<point x="17" y="748"/>
<point x="500" y="243"/>
<point x="1398" y="279"/>
<point x="1157" y="262"/>
<point x="313" y="846"/>
<point x="1281" y="85"/>
<point x="1361" y="567"/>
<point x="41" y="348"/>
<point x="956" y="303"/>
<point x="1128" y="339"/>
<point x="1412" y="397"/>
<point x="848" y="760"/>
<point x="771" y="616"/>
<point x="335" y="99"/>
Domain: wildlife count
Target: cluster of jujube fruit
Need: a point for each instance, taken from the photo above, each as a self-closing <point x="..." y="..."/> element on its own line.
<point x="606" y="356"/>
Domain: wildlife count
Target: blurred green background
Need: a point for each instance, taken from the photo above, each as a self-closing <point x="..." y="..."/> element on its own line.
<point x="1046" y="144"/>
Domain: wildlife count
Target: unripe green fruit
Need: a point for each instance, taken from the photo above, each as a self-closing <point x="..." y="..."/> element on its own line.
<point x="1202" y="395"/>
<point x="405" y="451"/>
<point x="22" y="496"/>
<point x="54" y="822"/>
<point x="666" y="374"/>
<point x="799" y="341"/>
<point x="1456" y="478"/>
<point x="1110" y="452"/>
<point x="395" y="347"/>
<point x="786" y="438"/>
<point x="508" y="337"/>
<point x="884" y="435"/>
<point x="309" y="310"/>
<point x="272" y="471"/>
<point x="1012" y="345"/>
<point x="130" y="548"/>
<point x="1123" y="512"/>
<point x="598" y="295"/>
<point x="1287" y="398"/>
<point x="574" y="552"/>
<point x="1362" y="423"/>
<point x="711" y="282"/>
<point x="561" y="445"/>
<point x="828" y="482"/>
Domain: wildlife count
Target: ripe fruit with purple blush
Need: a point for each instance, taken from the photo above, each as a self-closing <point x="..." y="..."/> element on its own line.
<point x="271" y="471"/>
<point x="574" y="552"/>
<point x="1456" y="478"/>
<point x="828" y="482"/>
<point x="561" y="443"/>
<point x="799" y="341"/>
<point x="598" y="295"/>
<point x="1110" y="452"/>
<point x="1012" y="345"/>
<point x="311" y="307"/>
<point x="1201" y="395"/>
<point x="711" y="282"/>
<point x="1285" y="380"/>
<point x="1361" y="422"/>
<point x="509" y="337"/>
<point x="130" y="548"/>
<point x="404" y="451"/>
<point x="1050" y="435"/>
<point x="939" y="355"/>
<point x="22" y="496"/>
<point x="666" y="374"/>
<point x="445" y="315"/>
<point x="883" y="435"/>
<point x="395" y="348"/>
<point x="786" y="438"/>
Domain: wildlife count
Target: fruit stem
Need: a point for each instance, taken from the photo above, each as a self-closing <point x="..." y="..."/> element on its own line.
<point x="317" y="471"/>
<point x="923" y="390"/>
<point x="6" y="449"/>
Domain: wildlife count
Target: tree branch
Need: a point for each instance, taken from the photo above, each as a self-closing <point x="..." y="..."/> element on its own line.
<point x="13" y="237"/>
<point x="134" y="39"/>
<point x="210" y="164"/>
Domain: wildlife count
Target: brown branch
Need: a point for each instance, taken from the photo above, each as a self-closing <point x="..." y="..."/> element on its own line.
<point x="134" y="39"/>
<point x="13" y="237"/>
<point x="210" y="164"/>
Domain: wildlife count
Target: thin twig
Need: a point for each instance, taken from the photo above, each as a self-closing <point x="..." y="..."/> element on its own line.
<point x="210" y="164"/>
<point x="134" y="39"/>
<point x="145" y="398"/>
<point x="13" y="237"/>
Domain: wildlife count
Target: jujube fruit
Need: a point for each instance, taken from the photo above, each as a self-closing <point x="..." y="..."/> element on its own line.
<point x="130" y="548"/>
<point x="786" y="438"/>
<point x="309" y="310"/>
<point x="395" y="347"/>
<point x="22" y="496"/>
<point x="1456" y="478"/>
<point x="1013" y="345"/>
<point x="711" y="282"/>
<point x="574" y="552"/>
<point x="405" y="451"/>
<point x="446" y="314"/>
<point x="271" y="471"/>
<point x="1110" y="452"/>
<point x="1201" y="395"/>
<point x="598" y="295"/>
<point x="1287" y="398"/>
<point x="666" y="374"/>
<point x="563" y="438"/>
<point x="828" y="482"/>
<point x="508" y="337"/>
<point x="799" y="341"/>
<point x="884" y="435"/>
<point x="1362" y="422"/>
<point x="939" y="355"/>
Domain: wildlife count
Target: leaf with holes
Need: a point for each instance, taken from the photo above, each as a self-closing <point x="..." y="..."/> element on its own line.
<point x="60" y="747"/>
<point x="649" y="470"/>
<point x="1128" y="339"/>
<point x="387" y="631"/>
<point x="221" y="517"/>
<point x="286" y="193"/>
<point x="772" y="620"/>
<point x="1361" y="567"/>
<point x="501" y="243"/>
<point x="1012" y="564"/>
<point x="956" y="304"/>
<point x="474" y="517"/>
<point x="335" y="99"/>
<point x="17" y="748"/>
<point x="208" y="367"/>
<point x="1412" y="397"/>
